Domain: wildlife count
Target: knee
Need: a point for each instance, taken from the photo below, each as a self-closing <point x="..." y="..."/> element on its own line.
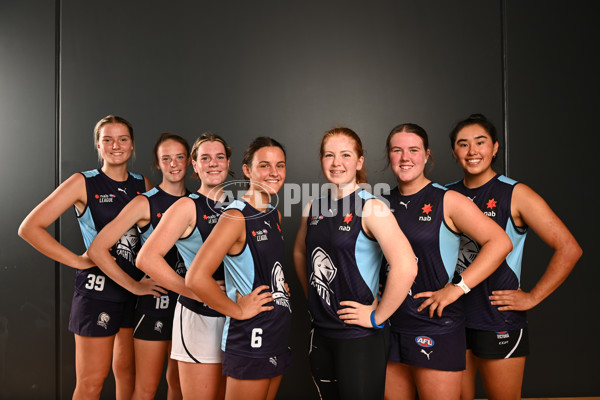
<point x="123" y="370"/>
<point x="89" y="386"/>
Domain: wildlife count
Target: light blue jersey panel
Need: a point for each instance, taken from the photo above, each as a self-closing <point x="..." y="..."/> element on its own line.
<point x="368" y="257"/>
<point x="449" y="247"/>
<point x="514" y="258"/>
<point x="189" y="246"/>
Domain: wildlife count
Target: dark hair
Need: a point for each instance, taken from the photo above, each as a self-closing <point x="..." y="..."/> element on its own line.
<point x="474" y="119"/>
<point x="408" y="128"/>
<point x="361" y="175"/>
<point x="169" y="136"/>
<point x="112" y="119"/>
<point x="210" y="137"/>
<point x="257" y="144"/>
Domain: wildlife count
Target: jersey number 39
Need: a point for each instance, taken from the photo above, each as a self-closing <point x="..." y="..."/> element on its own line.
<point x="95" y="282"/>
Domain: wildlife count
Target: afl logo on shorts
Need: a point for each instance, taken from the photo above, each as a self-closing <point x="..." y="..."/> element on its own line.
<point x="424" y="341"/>
<point x="103" y="319"/>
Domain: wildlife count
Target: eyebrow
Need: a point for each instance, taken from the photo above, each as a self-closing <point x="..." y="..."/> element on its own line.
<point x="476" y="137"/>
<point x="206" y="154"/>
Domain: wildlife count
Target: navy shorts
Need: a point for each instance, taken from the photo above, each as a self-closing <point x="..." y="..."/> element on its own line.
<point x="443" y="352"/>
<point x="240" y="367"/>
<point x="497" y="345"/>
<point x="97" y="318"/>
<point x="152" y="328"/>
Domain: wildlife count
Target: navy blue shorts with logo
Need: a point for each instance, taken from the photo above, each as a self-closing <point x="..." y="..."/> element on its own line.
<point x="152" y="328"/>
<point x="240" y="367"/>
<point x="97" y="318"/>
<point x="445" y="352"/>
<point x="497" y="345"/>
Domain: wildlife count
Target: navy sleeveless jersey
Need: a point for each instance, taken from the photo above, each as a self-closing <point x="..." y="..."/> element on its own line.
<point x="259" y="263"/>
<point x="159" y="201"/>
<point x="494" y="199"/>
<point x="421" y="218"/>
<point x="207" y="215"/>
<point x="343" y="263"/>
<point x="105" y="199"/>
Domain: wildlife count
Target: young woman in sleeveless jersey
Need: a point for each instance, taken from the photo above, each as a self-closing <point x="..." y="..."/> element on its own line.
<point x="337" y="255"/>
<point x="428" y="333"/>
<point x="197" y="329"/>
<point x="248" y="239"/>
<point x="496" y="323"/>
<point x="102" y="311"/>
<point x="154" y="314"/>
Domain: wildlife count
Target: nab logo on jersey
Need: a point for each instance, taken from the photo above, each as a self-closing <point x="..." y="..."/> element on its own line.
<point x="425" y="341"/>
<point x="489" y="207"/>
<point x="347" y="222"/>
<point x="427" y="208"/>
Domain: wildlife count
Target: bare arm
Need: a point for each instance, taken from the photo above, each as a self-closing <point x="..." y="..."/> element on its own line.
<point x="381" y="224"/>
<point x="300" y="251"/>
<point x="136" y="212"/>
<point x="177" y="222"/>
<point x="228" y="236"/>
<point x="530" y="208"/>
<point x="33" y="228"/>
<point x="463" y="216"/>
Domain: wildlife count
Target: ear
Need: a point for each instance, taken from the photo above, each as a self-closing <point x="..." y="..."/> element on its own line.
<point x="246" y="170"/>
<point x="359" y="163"/>
<point x="427" y="154"/>
<point x="495" y="151"/>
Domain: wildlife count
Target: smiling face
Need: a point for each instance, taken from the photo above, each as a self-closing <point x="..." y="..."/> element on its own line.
<point x="267" y="170"/>
<point x="173" y="160"/>
<point x="211" y="164"/>
<point x="408" y="157"/>
<point x="474" y="151"/>
<point x="114" y="144"/>
<point x="340" y="161"/>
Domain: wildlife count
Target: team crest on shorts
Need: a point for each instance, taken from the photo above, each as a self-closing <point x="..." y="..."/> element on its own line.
<point x="103" y="319"/>
<point x="158" y="325"/>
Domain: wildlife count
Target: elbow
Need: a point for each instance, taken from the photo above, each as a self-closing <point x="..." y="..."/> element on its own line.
<point x="193" y="284"/>
<point x="23" y="231"/>
<point x="141" y="261"/>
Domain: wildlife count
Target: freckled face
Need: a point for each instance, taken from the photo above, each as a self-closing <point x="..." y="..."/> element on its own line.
<point x="173" y="160"/>
<point x="340" y="161"/>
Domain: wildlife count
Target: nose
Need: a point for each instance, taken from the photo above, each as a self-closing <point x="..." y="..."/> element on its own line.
<point x="173" y="162"/>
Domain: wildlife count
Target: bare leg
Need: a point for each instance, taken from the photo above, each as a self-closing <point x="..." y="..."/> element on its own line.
<point x="149" y="361"/>
<point x="174" y="390"/>
<point x="124" y="364"/>
<point x="503" y="378"/>
<point x="92" y="363"/>
<point x="467" y="386"/>
<point x="399" y="382"/>
<point x="433" y="384"/>
<point x="252" y="389"/>
<point x="201" y="381"/>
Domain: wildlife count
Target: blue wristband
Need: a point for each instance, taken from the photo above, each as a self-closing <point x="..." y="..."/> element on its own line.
<point x="375" y="326"/>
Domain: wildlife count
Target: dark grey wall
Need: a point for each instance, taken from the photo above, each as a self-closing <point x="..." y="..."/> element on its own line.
<point x="27" y="116"/>
<point x="290" y="70"/>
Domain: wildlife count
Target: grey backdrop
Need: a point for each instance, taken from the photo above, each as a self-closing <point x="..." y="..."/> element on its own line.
<point x="292" y="70"/>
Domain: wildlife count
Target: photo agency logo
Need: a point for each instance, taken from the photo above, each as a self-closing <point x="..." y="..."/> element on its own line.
<point x="323" y="197"/>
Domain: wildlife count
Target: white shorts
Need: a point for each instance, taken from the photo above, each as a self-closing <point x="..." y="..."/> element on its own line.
<point x="196" y="338"/>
